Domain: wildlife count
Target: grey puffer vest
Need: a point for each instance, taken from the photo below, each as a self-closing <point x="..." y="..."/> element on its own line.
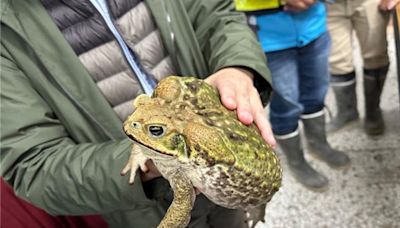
<point x="88" y="35"/>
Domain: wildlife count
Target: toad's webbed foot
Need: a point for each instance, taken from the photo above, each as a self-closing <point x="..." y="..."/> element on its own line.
<point x="136" y="160"/>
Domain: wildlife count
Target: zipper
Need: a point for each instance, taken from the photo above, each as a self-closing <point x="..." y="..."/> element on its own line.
<point x="146" y="81"/>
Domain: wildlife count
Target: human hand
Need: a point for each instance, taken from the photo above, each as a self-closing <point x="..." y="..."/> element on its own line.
<point x="149" y="171"/>
<point x="386" y="5"/>
<point x="298" y="5"/>
<point x="237" y="92"/>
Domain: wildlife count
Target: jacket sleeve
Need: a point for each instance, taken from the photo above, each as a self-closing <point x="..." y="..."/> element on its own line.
<point x="227" y="40"/>
<point x="47" y="168"/>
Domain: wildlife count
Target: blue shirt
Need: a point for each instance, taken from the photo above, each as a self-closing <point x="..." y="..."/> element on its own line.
<point x="283" y="30"/>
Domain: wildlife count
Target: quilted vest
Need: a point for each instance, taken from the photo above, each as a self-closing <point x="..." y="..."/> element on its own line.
<point x="88" y="35"/>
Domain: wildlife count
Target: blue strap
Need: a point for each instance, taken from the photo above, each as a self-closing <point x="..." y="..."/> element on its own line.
<point x="147" y="82"/>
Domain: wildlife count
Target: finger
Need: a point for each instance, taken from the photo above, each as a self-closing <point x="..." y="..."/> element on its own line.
<point x="145" y="164"/>
<point x="266" y="131"/>
<point x="152" y="171"/>
<point x="301" y="5"/>
<point x="150" y="167"/>
<point x="290" y="9"/>
<point x="228" y="96"/>
<point x="391" y="5"/>
<point x="382" y="5"/>
<point x="297" y="6"/>
<point x="308" y="2"/>
<point x="144" y="168"/>
<point x="197" y="191"/>
<point x="261" y="120"/>
<point x="244" y="109"/>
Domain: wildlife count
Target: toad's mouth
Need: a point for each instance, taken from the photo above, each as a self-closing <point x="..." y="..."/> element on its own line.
<point x="147" y="146"/>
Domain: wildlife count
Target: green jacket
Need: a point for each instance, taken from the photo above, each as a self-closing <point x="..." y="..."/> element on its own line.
<point x="62" y="145"/>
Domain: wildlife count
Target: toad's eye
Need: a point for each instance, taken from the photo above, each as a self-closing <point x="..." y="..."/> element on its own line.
<point x="156" y="130"/>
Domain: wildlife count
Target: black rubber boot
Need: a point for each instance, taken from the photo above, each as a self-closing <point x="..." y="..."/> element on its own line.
<point x="299" y="167"/>
<point x="373" y="85"/>
<point x="314" y="129"/>
<point x="344" y="90"/>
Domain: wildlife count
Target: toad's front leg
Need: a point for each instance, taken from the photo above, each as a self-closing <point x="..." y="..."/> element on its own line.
<point x="136" y="160"/>
<point x="178" y="213"/>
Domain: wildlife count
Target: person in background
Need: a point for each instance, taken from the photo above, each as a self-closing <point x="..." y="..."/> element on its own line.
<point x="296" y="42"/>
<point x="69" y="73"/>
<point x="369" y="20"/>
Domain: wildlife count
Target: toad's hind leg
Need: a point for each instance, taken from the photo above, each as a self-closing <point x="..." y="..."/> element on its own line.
<point x="136" y="160"/>
<point x="178" y="213"/>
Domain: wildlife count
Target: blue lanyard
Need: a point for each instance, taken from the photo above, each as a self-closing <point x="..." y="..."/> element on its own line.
<point x="147" y="82"/>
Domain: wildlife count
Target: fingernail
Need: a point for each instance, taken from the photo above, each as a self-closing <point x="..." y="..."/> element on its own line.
<point x="269" y="139"/>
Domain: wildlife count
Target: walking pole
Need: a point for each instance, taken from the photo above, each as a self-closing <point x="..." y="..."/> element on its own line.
<point x="396" y="23"/>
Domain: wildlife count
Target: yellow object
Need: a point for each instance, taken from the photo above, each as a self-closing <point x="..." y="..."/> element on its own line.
<point x="255" y="5"/>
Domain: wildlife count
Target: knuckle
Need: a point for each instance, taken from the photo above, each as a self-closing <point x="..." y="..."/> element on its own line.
<point x="253" y="91"/>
